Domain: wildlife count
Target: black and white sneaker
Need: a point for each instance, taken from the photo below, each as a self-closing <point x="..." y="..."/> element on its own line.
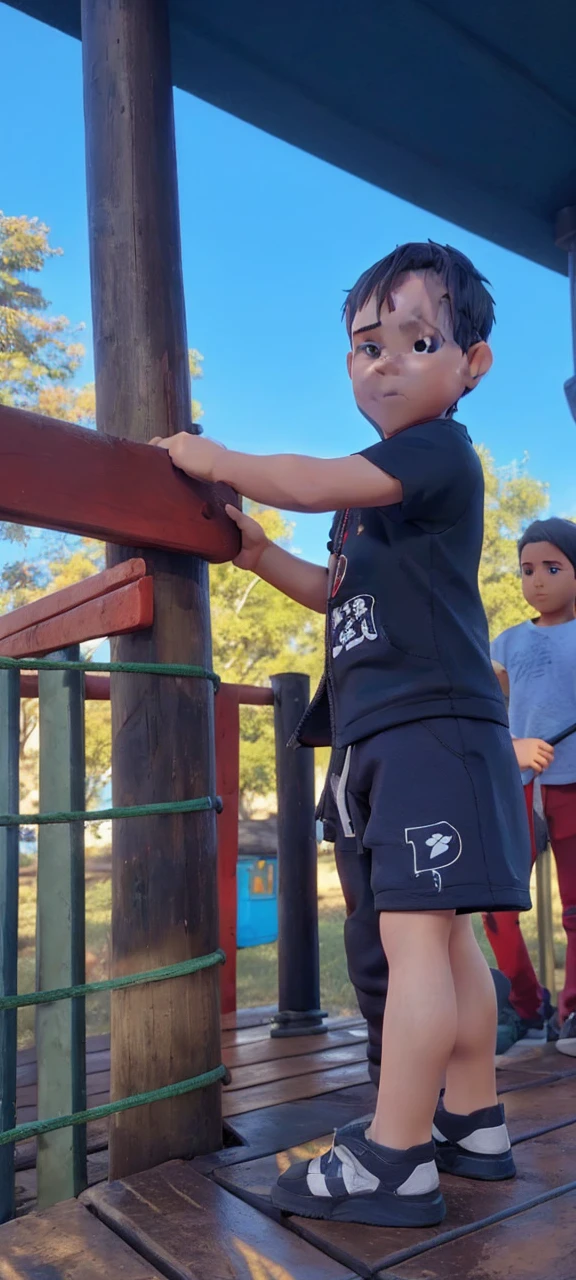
<point x="566" y="1042"/>
<point x="361" y="1181"/>
<point x="474" y="1146"/>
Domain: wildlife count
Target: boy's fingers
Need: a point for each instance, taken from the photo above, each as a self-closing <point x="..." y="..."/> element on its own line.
<point x="237" y="516"/>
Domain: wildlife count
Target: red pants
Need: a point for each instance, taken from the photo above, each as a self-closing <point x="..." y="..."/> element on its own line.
<point x="503" y="927"/>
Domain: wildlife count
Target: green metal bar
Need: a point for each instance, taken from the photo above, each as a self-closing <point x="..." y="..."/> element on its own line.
<point x="60" y="945"/>
<point x="9" y="754"/>
<point x="546" y="959"/>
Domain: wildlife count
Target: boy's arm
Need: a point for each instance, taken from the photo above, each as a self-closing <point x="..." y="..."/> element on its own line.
<point x="287" y="481"/>
<point x="303" y="582"/>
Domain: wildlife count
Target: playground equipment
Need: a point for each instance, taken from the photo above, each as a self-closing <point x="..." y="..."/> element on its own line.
<point x="123" y="596"/>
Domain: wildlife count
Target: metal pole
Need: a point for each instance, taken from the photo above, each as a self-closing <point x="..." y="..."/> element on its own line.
<point x="298" y="946"/>
<point x="546" y="960"/>
<point x="566" y="239"/>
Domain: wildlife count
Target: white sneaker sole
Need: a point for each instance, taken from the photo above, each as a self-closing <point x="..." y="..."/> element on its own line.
<point x="567" y="1046"/>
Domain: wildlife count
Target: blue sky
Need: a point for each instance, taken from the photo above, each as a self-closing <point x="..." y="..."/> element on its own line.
<point x="271" y="239"/>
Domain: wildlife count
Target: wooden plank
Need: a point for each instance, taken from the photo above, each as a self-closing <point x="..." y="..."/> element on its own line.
<point x="532" y="1245"/>
<point x="58" y="602"/>
<point x="67" y="1243"/>
<point x="307" y="1086"/>
<point x="60" y="932"/>
<point x="164" y="875"/>
<point x="57" y="476"/>
<point x="255" y="1075"/>
<point x="544" y="1165"/>
<point x="127" y="609"/>
<point x="227" y="743"/>
<point x="9" y="801"/>
<point x="191" y="1229"/>
<point x="273" y="1129"/>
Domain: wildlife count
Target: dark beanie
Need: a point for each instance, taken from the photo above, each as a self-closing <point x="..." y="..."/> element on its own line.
<point x="561" y="533"/>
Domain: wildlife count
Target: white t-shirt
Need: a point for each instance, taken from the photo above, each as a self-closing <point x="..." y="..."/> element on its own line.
<point x="541" y="666"/>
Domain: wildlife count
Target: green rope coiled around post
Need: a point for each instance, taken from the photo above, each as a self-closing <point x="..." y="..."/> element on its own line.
<point x="36" y="1127"/>
<point x="131" y="668"/>
<point x="178" y="970"/>
<point x="202" y="805"/>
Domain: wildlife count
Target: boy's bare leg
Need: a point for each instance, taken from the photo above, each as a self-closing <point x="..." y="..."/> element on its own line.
<point x="470" y="1074"/>
<point x="419" y="1030"/>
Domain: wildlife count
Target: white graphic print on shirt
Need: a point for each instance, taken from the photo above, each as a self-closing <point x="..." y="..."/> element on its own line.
<point x="352" y="623"/>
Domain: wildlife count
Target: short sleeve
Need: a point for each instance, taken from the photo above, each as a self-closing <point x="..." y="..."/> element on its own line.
<point x="437" y="467"/>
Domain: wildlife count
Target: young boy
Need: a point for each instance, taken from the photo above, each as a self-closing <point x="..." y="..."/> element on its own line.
<point x="429" y="785"/>
<point x="536" y="666"/>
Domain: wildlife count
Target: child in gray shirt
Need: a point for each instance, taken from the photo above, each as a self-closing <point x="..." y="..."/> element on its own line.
<point x="536" y="665"/>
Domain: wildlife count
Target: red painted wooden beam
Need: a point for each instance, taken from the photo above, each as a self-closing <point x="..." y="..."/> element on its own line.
<point x="58" y="602"/>
<point x="129" y="608"/>
<point x="57" y="476"/>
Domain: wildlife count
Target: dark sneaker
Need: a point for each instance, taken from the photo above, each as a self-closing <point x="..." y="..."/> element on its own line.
<point x="361" y="1181"/>
<point x="566" y="1042"/>
<point x="512" y="1028"/>
<point x="474" y="1146"/>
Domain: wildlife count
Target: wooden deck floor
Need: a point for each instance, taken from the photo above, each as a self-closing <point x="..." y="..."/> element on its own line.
<point x="212" y="1219"/>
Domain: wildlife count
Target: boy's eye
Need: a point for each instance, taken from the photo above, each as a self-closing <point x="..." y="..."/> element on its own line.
<point x="370" y="349"/>
<point x="527" y="573"/>
<point x="426" y="345"/>
<point x="553" y="568"/>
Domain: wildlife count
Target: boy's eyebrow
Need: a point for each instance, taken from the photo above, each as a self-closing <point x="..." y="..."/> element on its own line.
<point x="366" y="328"/>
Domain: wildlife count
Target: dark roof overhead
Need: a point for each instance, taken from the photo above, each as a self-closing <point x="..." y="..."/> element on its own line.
<point x="468" y="111"/>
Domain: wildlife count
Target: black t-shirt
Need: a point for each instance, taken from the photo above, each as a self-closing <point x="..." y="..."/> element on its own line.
<point x="407" y="637"/>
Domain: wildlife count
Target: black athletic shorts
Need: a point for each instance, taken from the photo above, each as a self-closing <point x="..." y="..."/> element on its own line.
<point x="440" y="805"/>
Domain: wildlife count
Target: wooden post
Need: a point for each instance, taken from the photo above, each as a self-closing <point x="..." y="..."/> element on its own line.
<point x="9" y="753"/>
<point x="298" y="946"/>
<point x="164" y="874"/>
<point x="228" y="787"/>
<point x="60" y="934"/>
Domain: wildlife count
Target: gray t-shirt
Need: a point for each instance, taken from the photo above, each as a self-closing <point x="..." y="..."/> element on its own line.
<point x="541" y="665"/>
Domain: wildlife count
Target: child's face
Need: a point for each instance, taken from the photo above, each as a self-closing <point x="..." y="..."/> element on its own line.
<point x="548" y="579"/>
<point x="405" y="365"/>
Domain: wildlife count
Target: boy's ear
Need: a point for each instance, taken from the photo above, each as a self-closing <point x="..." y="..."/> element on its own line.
<point x="480" y="360"/>
<point x="349" y="363"/>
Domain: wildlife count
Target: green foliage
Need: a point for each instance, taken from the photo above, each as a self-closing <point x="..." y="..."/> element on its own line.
<point x="36" y="350"/>
<point x="513" y="500"/>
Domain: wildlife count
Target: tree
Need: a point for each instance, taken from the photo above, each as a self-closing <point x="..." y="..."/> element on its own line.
<point x="37" y="351"/>
<point x="513" y="500"/>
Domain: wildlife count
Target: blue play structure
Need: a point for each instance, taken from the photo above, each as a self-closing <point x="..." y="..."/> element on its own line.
<point x="257" y="901"/>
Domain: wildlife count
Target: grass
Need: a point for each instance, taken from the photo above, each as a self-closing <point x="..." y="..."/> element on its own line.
<point x="257" y="966"/>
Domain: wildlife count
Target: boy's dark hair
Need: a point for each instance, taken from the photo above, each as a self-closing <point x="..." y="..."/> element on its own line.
<point x="561" y="533"/>
<point x="471" y="305"/>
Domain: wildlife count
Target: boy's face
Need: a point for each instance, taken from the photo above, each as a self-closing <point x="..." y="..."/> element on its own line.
<point x="405" y="366"/>
<point x="548" y="579"/>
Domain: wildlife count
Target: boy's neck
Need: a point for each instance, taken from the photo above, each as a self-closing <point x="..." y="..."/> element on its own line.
<point x="568" y="614"/>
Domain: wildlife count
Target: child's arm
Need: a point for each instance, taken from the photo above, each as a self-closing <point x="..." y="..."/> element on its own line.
<point x="301" y="581"/>
<point x="287" y="481"/>
<point x="531" y="753"/>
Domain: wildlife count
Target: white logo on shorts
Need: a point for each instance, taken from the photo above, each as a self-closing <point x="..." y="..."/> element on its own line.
<point x="436" y="840"/>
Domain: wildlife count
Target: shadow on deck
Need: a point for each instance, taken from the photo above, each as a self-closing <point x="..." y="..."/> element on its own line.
<point x="212" y="1219"/>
